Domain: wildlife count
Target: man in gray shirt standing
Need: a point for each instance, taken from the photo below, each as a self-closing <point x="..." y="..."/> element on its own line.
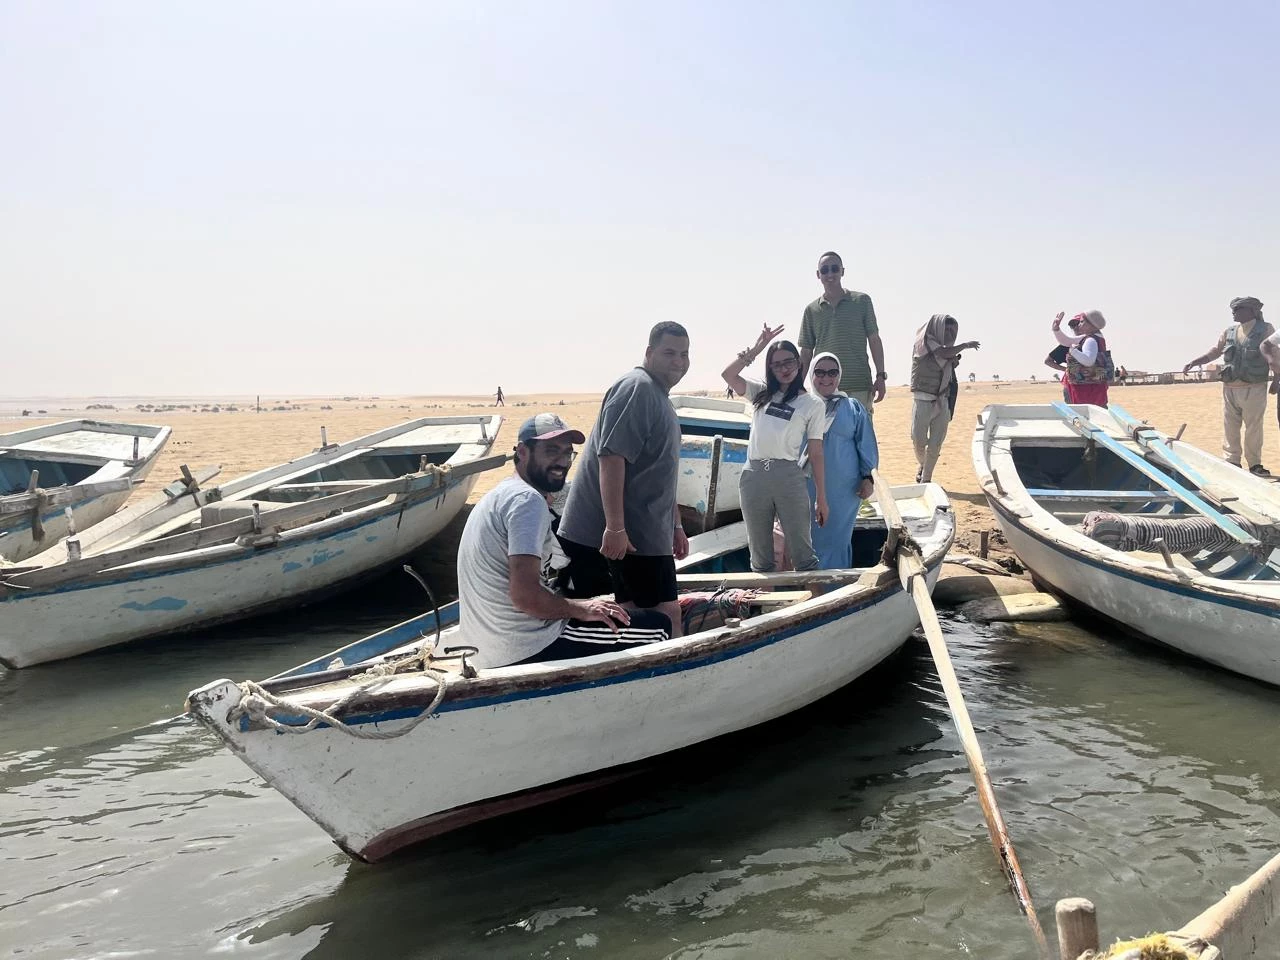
<point x="621" y="527"/>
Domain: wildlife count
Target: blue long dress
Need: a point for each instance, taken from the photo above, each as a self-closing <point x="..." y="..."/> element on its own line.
<point x="849" y="453"/>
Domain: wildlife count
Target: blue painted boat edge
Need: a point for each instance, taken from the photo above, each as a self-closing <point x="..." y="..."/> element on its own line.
<point x="377" y="644"/>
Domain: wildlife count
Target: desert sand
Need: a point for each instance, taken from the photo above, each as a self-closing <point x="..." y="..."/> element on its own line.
<point x="242" y="441"/>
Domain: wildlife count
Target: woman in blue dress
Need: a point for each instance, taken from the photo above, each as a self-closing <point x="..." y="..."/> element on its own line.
<point x="850" y="453"/>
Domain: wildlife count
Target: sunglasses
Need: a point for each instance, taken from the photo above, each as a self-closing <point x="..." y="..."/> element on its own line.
<point x="826" y="373"/>
<point x="830" y="268"/>
<point x="784" y="364"/>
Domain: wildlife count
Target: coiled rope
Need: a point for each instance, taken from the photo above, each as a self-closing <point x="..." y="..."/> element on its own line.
<point x="257" y="703"/>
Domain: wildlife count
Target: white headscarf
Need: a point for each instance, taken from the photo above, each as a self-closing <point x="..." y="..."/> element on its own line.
<point x="832" y="402"/>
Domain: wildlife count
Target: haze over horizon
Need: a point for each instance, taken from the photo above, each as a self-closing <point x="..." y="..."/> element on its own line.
<point x="330" y="198"/>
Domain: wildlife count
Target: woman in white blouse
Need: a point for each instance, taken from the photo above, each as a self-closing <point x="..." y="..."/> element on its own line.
<point x="784" y="416"/>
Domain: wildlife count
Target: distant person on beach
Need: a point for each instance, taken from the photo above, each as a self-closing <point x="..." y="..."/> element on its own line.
<point x="506" y="610"/>
<point x="849" y="454"/>
<point x="784" y="416"/>
<point x="621" y="527"/>
<point x="1086" y="376"/>
<point x="932" y="373"/>
<point x="843" y="322"/>
<point x="498" y="400"/>
<point x="1245" y="372"/>
<point x="1057" y="360"/>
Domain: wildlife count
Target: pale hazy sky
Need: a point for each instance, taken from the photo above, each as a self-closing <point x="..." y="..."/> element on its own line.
<point x="441" y="197"/>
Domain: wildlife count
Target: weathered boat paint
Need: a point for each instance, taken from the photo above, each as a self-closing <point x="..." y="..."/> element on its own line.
<point x="1233" y="624"/>
<point x="519" y="735"/>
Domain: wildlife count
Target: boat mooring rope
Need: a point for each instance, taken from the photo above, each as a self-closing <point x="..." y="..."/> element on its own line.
<point x="257" y="703"/>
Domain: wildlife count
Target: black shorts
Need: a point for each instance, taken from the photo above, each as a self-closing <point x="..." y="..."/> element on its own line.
<point x="639" y="579"/>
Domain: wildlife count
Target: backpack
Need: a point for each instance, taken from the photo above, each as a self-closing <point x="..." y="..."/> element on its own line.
<point x="1102" y="371"/>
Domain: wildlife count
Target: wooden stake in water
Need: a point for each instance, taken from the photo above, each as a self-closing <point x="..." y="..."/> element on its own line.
<point x="912" y="574"/>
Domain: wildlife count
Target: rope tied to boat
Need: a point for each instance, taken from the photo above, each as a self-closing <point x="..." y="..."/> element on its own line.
<point x="257" y="704"/>
<point x="1126" y="532"/>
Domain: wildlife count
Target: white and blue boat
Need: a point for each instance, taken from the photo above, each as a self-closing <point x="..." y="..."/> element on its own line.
<point x="396" y="738"/>
<point x="272" y="539"/>
<point x="713" y="431"/>
<point x="68" y="476"/>
<point x="1144" y="530"/>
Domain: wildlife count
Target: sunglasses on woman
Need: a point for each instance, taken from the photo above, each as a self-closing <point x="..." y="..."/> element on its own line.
<point x="826" y="373"/>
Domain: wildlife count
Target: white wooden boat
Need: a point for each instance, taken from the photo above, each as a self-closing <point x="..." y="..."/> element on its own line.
<point x="460" y="745"/>
<point x="270" y="539"/>
<point x="1045" y="469"/>
<point x="84" y="466"/>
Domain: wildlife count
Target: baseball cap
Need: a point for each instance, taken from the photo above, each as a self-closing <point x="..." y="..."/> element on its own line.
<point x="544" y="426"/>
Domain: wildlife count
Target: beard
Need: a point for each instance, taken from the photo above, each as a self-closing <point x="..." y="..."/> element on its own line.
<point x="540" y="481"/>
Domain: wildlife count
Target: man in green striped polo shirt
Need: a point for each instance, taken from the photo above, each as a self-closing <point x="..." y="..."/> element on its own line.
<point x="844" y="322"/>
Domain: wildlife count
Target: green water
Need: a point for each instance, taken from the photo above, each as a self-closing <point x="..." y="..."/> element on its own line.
<point x="1145" y="782"/>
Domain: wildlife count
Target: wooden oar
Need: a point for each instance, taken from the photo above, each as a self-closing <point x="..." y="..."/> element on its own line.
<point x="912" y="573"/>
<point x="1159" y="445"/>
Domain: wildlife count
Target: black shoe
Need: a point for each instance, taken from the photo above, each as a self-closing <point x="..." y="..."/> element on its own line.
<point x="1258" y="470"/>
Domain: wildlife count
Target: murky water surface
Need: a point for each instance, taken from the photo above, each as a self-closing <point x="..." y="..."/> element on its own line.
<point x="1145" y="782"/>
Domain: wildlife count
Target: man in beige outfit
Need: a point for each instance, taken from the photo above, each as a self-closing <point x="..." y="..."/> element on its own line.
<point x="1245" y="373"/>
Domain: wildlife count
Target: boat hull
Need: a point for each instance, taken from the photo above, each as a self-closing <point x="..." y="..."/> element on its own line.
<point x="1233" y="632"/>
<point x="220" y="584"/>
<point x="480" y="757"/>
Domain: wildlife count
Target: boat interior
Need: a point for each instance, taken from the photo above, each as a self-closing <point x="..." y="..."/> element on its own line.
<point x="1069" y="481"/>
<point x="16" y="470"/>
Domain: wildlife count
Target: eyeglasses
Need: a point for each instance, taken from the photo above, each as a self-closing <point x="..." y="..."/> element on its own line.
<point x="826" y="373"/>
<point x="831" y="268"/>
<point x="784" y="364"/>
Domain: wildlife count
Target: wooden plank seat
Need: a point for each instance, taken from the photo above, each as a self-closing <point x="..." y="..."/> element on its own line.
<point x="1109" y="496"/>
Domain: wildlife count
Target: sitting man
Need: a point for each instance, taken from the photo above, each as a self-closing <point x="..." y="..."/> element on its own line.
<point x="506" y="611"/>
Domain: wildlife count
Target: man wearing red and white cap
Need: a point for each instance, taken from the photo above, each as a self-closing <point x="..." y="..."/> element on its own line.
<point x="506" y="610"/>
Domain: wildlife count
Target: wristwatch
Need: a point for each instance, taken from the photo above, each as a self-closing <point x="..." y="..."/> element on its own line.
<point x="882" y="375"/>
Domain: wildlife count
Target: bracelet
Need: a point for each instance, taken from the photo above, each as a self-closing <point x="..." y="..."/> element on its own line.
<point x="607" y="530"/>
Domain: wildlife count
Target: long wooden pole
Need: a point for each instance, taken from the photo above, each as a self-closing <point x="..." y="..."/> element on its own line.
<point x="912" y="573"/>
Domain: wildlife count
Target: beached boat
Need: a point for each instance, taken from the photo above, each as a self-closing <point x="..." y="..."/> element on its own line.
<point x="458" y="745"/>
<point x="84" y="466"/>
<point x="271" y="539"/>
<point x="1145" y="530"/>
<point x="713" y="431"/>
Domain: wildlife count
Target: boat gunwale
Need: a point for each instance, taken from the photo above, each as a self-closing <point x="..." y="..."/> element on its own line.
<point x="510" y="683"/>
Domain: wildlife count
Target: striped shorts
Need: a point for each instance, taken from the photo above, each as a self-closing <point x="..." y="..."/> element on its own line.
<point x="581" y="638"/>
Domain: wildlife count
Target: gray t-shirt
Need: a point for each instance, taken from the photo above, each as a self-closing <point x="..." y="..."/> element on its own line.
<point x="510" y="520"/>
<point x="637" y="423"/>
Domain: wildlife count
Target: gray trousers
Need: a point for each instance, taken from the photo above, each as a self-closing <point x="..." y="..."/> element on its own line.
<point x="769" y="487"/>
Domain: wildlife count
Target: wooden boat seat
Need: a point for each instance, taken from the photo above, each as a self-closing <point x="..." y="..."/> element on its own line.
<point x="1102" y="496"/>
<point x="226" y="510"/>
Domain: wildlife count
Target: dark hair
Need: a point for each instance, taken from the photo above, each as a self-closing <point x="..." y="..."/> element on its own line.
<point x="832" y="253"/>
<point x="771" y="383"/>
<point x="667" y="328"/>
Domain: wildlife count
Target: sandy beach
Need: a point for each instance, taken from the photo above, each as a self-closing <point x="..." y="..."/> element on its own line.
<point x="243" y="440"/>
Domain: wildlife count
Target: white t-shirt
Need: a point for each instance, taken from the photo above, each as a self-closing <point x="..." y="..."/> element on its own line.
<point x="510" y="520"/>
<point x="778" y="431"/>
